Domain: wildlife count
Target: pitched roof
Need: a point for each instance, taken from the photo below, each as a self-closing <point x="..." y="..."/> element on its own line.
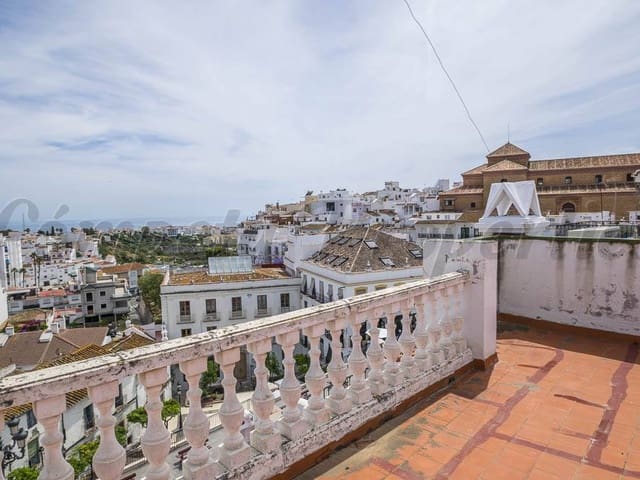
<point x="507" y="150"/>
<point x="26" y="351"/>
<point x="463" y="190"/>
<point x="476" y="170"/>
<point x="504" y="165"/>
<point x="621" y="160"/>
<point x="361" y="249"/>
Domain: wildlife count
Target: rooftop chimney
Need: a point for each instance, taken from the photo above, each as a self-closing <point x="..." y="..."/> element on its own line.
<point x="55" y="327"/>
<point x="10" y="330"/>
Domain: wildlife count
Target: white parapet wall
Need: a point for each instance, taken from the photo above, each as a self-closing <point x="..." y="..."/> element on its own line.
<point x="581" y="282"/>
<point x="479" y="259"/>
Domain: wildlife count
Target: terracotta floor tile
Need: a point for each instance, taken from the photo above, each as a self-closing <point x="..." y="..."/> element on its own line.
<point x="588" y="472"/>
<point x="466" y="472"/>
<point x="556" y="465"/>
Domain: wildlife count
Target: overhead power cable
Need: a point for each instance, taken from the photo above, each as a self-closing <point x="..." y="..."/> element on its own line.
<point x="433" y="47"/>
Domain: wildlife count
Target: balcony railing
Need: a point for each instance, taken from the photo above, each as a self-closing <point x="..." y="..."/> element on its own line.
<point x="185" y="319"/>
<point x="381" y="378"/>
<point x="285" y="309"/>
<point x="238" y="314"/>
<point x="211" y="317"/>
<point x="263" y="312"/>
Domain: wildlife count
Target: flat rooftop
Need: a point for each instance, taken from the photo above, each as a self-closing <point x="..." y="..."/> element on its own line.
<point x="557" y="405"/>
<point x="204" y="277"/>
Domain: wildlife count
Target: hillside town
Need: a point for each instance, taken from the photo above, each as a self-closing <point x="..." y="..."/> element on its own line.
<point x="65" y="296"/>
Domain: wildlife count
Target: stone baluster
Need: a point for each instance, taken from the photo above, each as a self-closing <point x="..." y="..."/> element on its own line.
<point x="156" y="440"/>
<point x="459" y="339"/>
<point x="422" y="358"/>
<point x="435" y="332"/>
<point x="338" y="401"/>
<point x="109" y="459"/>
<point x="264" y="438"/>
<point x="291" y="425"/>
<point x="359" y="391"/>
<point x="392" y="351"/>
<point x="48" y="412"/>
<point x="375" y="357"/>
<point x="446" y="341"/>
<point x="200" y="465"/>
<point x="407" y="343"/>
<point x="316" y="413"/>
<point x="233" y="451"/>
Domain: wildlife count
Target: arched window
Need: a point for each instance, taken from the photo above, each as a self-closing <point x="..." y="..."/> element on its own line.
<point x="598" y="179"/>
<point x="568" y="180"/>
<point x="568" y="207"/>
<point x="539" y="182"/>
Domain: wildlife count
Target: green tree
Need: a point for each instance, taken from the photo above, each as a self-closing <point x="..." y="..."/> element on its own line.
<point x="274" y="366"/>
<point x="149" y="284"/>
<point x="81" y="457"/>
<point x="209" y="378"/>
<point x="302" y="364"/>
<point x="170" y="409"/>
<point x="24" y="473"/>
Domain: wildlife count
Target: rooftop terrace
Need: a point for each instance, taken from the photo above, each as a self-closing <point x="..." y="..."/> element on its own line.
<point x="203" y="276"/>
<point x="557" y="405"/>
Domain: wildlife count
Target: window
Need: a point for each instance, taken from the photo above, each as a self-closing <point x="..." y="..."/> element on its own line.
<point x="185" y="307"/>
<point x="473" y="205"/>
<point x="330" y="292"/>
<point x="331" y="207"/>
<point x="103" y="306"/>
<point x="568" y="180"/>
<point x="387" y="262"/>
<point x="210" y="305"/>
<point x="211" y="328"/>
<point x="448" y="203"/>
<point x="89" y="309"/>
<point x="103" y="293"/>
<point x="569" y="207"/>
<point x="380" y="287"/>
<point x="360" y="291"/>
<point x="598" y="179"/>
<point x="416" y="252"/>
<point x="371" y="244"/>
<point x="31" y="419"/>
<point x="120" y="398"/>
<point x="285" y="300"/>
<point x="89" y="296"/>
<point x="503" y="180"/>
<point x="236" y="304"/>
<point x="539" y="182"/>
<point x="630" y="177"/>
<point x="262" y="302"/>
<point x="89" y="419"/>
<point x="185" y="332"/>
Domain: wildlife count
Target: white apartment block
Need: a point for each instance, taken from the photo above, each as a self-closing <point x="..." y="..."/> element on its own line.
<point x="200" y="301"/>
<point x="265" y="243"/>
<point x="334" y="207"/>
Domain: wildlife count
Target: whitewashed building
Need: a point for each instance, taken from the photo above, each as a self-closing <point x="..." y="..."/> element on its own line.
<point x="356" y="261"/>
<point x="203" y="300"/>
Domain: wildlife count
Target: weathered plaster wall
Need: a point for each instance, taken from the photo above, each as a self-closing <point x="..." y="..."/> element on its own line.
<point x="587" y="283"/>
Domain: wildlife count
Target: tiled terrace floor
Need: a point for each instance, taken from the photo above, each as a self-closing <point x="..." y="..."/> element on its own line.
<point x="557" y="405"/>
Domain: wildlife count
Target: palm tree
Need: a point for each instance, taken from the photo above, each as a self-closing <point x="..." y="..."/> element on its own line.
<point x="14" y="270"/>
<point x="22" y="273"/>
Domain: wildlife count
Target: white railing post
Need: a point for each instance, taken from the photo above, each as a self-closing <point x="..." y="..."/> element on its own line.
<point x="233" y="450"/>
<point x="48" y="412"/>
<point x="264" y="438"/>
<point x="200" y="464"/>
<point x="156" y="440"/>
<point x="109" y="459"/>
<point x="422" y="358"/>
<point x="291" y="425"/>
<point x="407" y="342"/>
<point x="359" y="391"/>
<point x="458" y="322"/>
<point x="435" y="332"/>
<point x="375" y="356"/>
<point x="316" y="412"/>
<point x="337" y="370"/>
<point x="392" y="351"/>
<point x="447" y="328"/>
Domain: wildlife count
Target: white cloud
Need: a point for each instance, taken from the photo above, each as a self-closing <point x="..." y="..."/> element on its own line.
<point x="121" y="109"/>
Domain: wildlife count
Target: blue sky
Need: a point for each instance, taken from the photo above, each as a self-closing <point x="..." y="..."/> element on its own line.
<point x="121" y="109"/>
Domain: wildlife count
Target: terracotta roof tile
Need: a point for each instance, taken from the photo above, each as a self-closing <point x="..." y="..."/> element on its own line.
<point x="505" y="165"/>
<point x="507" y="150"/>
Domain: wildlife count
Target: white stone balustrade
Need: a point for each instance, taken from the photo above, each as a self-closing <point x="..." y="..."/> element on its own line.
<point x="415" y="361"/>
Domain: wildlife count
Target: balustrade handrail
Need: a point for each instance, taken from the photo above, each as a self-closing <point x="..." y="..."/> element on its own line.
<point x="35" y="385"/>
